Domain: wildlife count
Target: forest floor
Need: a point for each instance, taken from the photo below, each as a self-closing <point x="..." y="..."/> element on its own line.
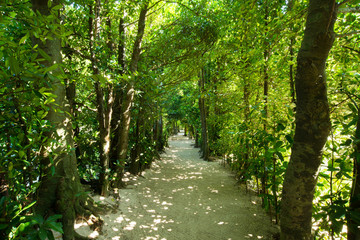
<point x="183" y="197"/>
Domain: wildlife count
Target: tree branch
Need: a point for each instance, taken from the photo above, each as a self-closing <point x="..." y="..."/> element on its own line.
<point x="69" y="50"/>
<point x="352" y="49"/>
<point x="148" y="14"/>
<point x="349" y="10"/>
<point x="342" y="3"/>
<point x="347" y="34"/>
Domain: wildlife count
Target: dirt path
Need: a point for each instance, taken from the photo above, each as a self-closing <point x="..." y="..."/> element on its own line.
<point x="183" y="197"/>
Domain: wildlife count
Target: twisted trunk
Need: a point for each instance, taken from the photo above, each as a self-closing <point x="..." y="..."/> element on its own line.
<point x="312" y="121"/>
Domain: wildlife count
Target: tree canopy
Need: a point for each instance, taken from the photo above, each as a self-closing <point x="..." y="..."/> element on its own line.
<point x="91" y="89"/>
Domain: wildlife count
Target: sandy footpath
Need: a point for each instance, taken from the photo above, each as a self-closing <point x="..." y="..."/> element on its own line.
<point x="184" y="198"/>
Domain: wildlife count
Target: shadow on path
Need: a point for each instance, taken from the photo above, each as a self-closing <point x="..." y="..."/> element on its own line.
<point x="183" y="197"/>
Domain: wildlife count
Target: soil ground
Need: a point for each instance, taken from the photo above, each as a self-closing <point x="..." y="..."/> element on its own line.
<point x="183" y="197"/>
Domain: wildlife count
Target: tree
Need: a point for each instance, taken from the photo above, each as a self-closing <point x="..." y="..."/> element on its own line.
<point x="128" y="100"/>
<point x="312" y="121"/>
<point x="204" y="146"/>
<point x="60" y="190"/>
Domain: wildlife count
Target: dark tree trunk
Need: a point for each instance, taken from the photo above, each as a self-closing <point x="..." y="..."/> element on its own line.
<point x="353" y="227"/>
<point x="158" y="134"/>
<point x="312" y="121"/>
<point x="71" y="96"/>
<point x="196" y="138"/>
<point x="202" y="106"/>
<point x="291" y="71"/>
<point x="290" y="6"/>
<point x="129" y="99"/>
<point x="134" y="167"/>
<point x="118" y="98"/>
<point x="267" y="51"/>
<point x="104" y="104"/>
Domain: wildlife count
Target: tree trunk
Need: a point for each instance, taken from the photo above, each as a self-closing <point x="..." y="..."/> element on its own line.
<point x="60" y="181"/>
<point x="196" y="145"/>
<point x="312" y="121"/>
<point x="118" y="97"/>
<point x="291" y="52"/>
<point x="353" y="227"/>
<point x="104" y="104"/>
<point x="129" y="99"/>
<point x="104" y="119"/>
<point x="134" y="167"/>
<point x="202" y="106"/>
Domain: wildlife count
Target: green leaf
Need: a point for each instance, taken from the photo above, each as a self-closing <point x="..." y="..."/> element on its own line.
<point x="332" y="169"/>
<point x="353" y="122"/>
<point x="53" y="218"/>
<point x="11" y="166"/>
<point x="51" y="68"/>
<point x="52" y="170"/>
<point x="26" y="207"/>
<point x="22" y="227"/>
<point x="68" y="33"/>
<point x="42" y="234"/>
<point x="48" y="94"/>
<point x="49" y="100"/>
<point x="14" y="65"/>
<point x="21" y="153"/>
<point x="57" y="7"/>
<point x="280" y="156"/>
<point x="37" y="93"/>
<point x="56" y="226"/>
<point x="339" y="212"/>
<point x="326" y="176"/>
<point x="289" y="139"/>
<point x="12" y="14"/>
<point x="50" y="235"/>
<point x="100" y="78"/>
<point x="352" y="107"/>
<point x="24" y="38"/>
<point x="278" y="144"/>
<point x="38" y="219"/>
<point x="280" y="127"/>
<point x="44" y="54"/>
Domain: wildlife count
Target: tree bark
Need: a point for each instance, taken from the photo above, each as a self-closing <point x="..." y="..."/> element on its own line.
<point x="290" y="6"/>
<point x="312" y="121"/>
<point x="118" y="95"/>
<point x="104" y="99"/>
<point x="129" y="98"/>
<point x="134" y="167"/>
<point x="267" y="52"/>
<point x="202" y="106"/>
<point x="353" y="229"/>
<point x="60" y="181"/>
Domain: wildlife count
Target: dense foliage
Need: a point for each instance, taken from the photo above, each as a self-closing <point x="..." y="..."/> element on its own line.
<point x="223" y="70"/>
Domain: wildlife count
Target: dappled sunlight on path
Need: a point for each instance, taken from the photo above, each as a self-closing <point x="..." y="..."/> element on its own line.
<point x="184" y="197"/>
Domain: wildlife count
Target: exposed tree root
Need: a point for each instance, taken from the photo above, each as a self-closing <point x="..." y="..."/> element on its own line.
<point x="80" y="237"/>
<point x="83" y="207"/>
